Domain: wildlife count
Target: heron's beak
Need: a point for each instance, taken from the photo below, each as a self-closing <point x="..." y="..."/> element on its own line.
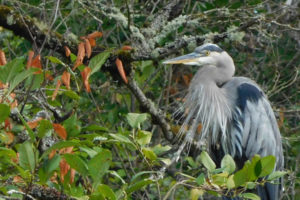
<point x="186" y="59"/>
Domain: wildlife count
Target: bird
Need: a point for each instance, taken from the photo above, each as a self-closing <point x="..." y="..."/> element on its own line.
<point x="235" y="114"/>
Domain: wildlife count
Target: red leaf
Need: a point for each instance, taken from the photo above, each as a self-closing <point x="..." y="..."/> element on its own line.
<point x="66" y="79"/>
<point x="56" y="90"/>
<point x="7" y="124"/>
<point x="36" y="62"/>
<point x="67" y="51"/>
<point x="33" y="124"/>
<point x="60" y="130"/>
<point x="2" y="58"/>
<point x="92" y="42"/>
<point x="29" y="60"/>
<point x="127" y="48"/>
<point x="85" y="77"/>
<point x="51" y="154"/>
<point x="121" y="70"/>
<point x="88" y="48"/>
<point x="80" y="55"/>
<point x="72" y="175"/>
<point x="64" y="168"/>
<point x="95" y="34"/>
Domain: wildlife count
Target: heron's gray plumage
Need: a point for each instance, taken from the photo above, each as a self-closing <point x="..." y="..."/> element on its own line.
<point x="234" y="112"/>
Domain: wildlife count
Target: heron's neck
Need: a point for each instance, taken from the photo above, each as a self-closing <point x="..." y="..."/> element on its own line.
<point x="207" y="104"/>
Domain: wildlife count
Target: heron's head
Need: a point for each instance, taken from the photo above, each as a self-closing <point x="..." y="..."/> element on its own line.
<point x="207" y="54"/>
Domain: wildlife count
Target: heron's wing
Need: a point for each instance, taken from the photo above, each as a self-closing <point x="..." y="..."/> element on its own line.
<point x="254" y="129"/>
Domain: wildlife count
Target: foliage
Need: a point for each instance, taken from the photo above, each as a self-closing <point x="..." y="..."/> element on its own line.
<point x="66" y="124"/>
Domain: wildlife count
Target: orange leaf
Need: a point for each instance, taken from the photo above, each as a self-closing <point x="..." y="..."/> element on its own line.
<point x="95" y="34"/>
<point x="10" y="137"/>
<point x="92" y="42"/>
<point x="126" y="48"/>
<point x="80" y="55"/>
<point x="48" y="76"/>
<point x="66" y="79"/>
<point x="67" y="51"/>
<point x="29" y="60"/>
<point x="51" y="154"/>
<point x="72" y="175"/>
<point x="186" y="79"/>
<point x="7" y="124"/>
<point x="64" y="168"/>
<point x="33" y="124"/>
<point x="66" y="150"/>
<point x="199" y="128"/>
<point x="60" y="130"/>
<point x="18" y="179"/>
<point x="121" y="70"/>
<point x="88" y="48"/>
<point x="15" y="160"/>
<point x="56" y="90"/>
<point x="85" y="77"/>
<point x="2" y="58"/>
<point x="36" y="62"/>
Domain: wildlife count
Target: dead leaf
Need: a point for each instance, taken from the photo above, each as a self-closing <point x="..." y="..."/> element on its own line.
<point x="67" y="51"/>
<point x="29" y="60"/>
<point x="186" y="79"/>
<point x="199" y="128"/>
<point x="88" y="48"/>
<point x="7" y="124"/>
<point x="66" y="79"/>
<point x="52" y="154"/>
<point x="92" y="42"/>
<point x="72" y="175"/>
<point x="16" y="159"/>
<point x="121" y="70"/>
<point x="95" y="34"/>
<point x="66" y="150"/>
<point x="48" y="76"/>
<point x="36" y="62"/>
<point x="80" y="55"/>
<point x="56" y="90"/>
<point x="2" y="58"/>
<point x="85" y="77"/>
<point x="60" y="130"/>
<point x="10" y="138"/>
<point x="127" y="48"/>
<point x="64" y="168"/>
<point x="18" y="179"/>
<point x="33" y="124"/>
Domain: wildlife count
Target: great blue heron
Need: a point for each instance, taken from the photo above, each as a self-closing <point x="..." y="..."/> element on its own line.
<point x="236" y="116"/>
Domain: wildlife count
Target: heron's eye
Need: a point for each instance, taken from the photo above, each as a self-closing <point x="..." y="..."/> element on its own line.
<point x="207" y="53"/>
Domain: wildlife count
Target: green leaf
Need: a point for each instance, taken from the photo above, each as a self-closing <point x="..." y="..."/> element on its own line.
<point x="30" y="132"/>
<point x="196" y="193"/>
<point x="97" y="61"/>
<point x="266" y="165"/>
<point x="59" y="145"/>
<point x="71" y="94"/>
<point x="143" y="137"/>
<point x="228" y="164"/>
<point x="207" y="161"/>
<point x="240" y="177"/>
<point x="76" y="163"/>
<point x="230" y="182"/>
<point x="149" y="154"/>
<point x="249" y="196"/>
<point x="200" y="179"/>
<point x="99" y="165"/>
<point x="95" y="127"/>
<point x="253" y="171"/>
<point x="158" y="149"/>
<point x="44" y="127"/>
<point x="106" y="192"/>
<point x="26" y="156"/>
<point x="138" y="185"/>
<point x="135" y="119"/>
<point x="11" y="69"/>
<point x="275" y="175"/>
<point x="19" y="78"/>
<point x="7" y="152"/>
<point x="121" y="138"/>
<point x="55" y="60"/>
<point x="4" y="112"/>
